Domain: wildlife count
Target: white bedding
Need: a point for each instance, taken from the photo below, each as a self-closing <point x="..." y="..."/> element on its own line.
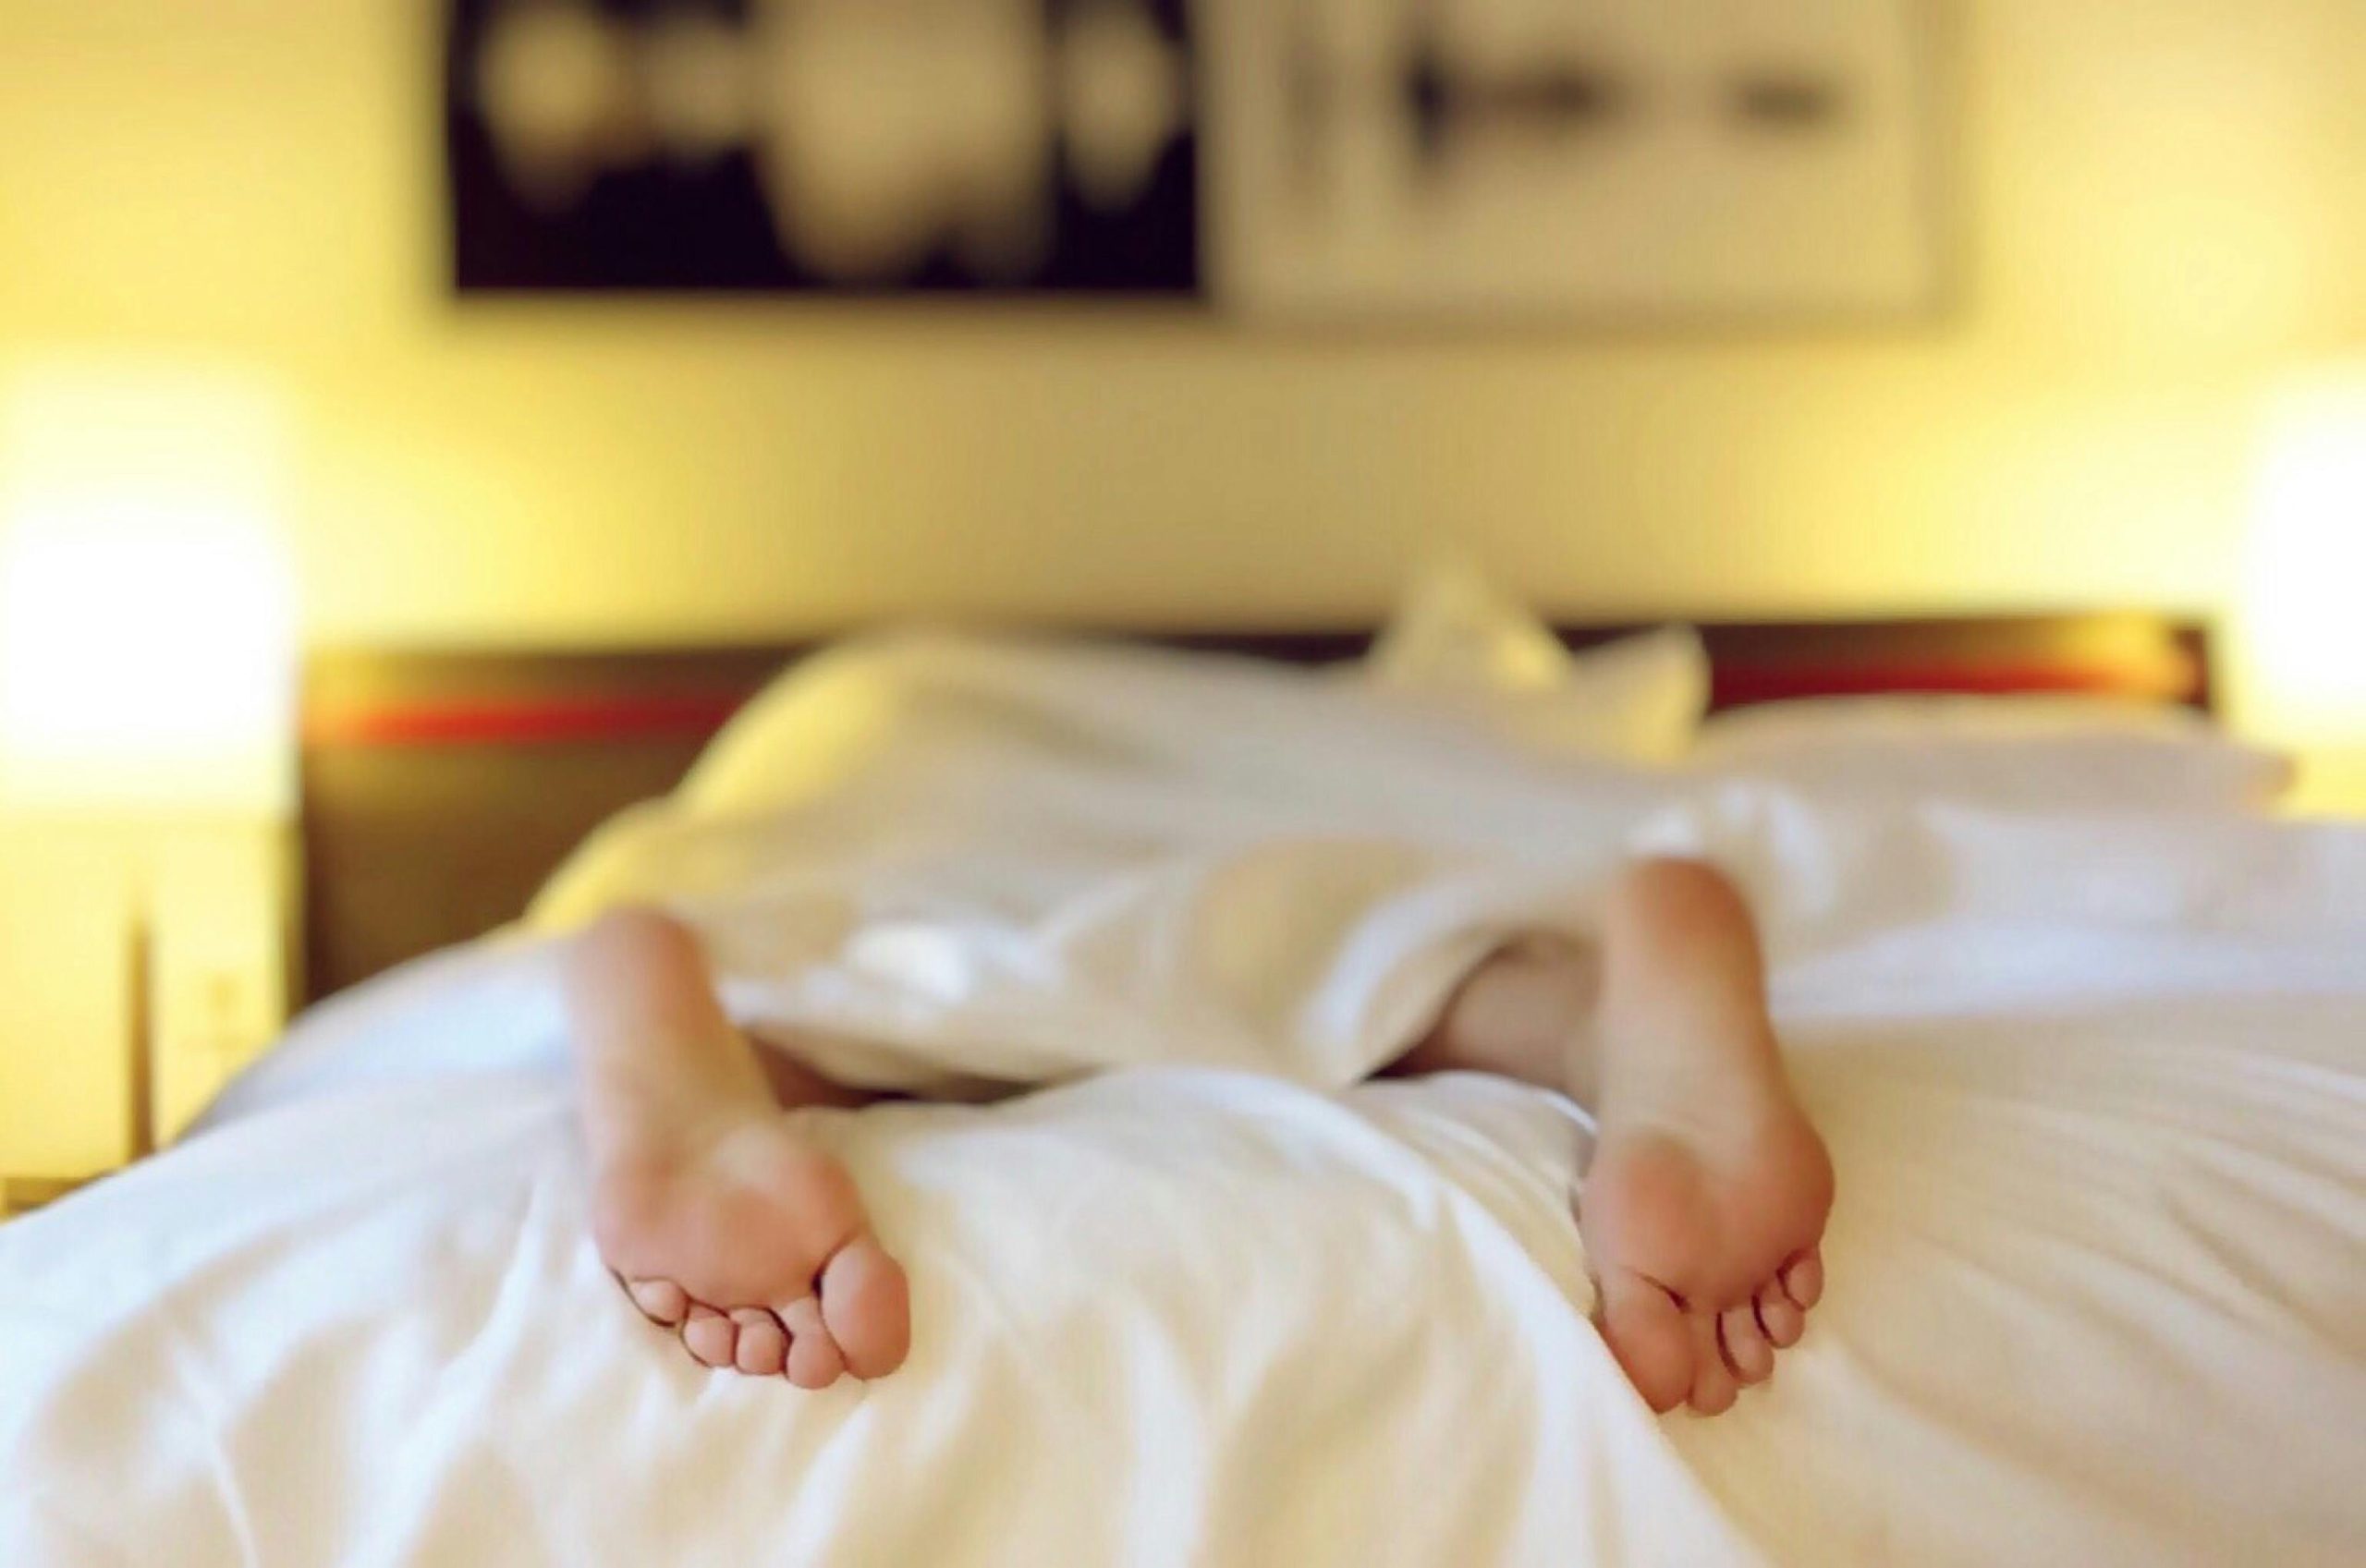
<point x="2095" y="1089"/>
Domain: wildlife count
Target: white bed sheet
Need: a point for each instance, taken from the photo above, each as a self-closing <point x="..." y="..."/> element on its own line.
<point x="2095" y="1089"/>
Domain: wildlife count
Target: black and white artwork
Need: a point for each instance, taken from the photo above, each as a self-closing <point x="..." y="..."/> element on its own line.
<point x="1276" y="159"/>
<point x="1007" y="146"/>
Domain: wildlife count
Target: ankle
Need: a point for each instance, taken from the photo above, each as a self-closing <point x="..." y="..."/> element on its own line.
<point x="1524" y="1012"/>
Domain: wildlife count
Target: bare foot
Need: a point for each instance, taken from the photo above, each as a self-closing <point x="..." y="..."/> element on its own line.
<point x="1706" y="1199"/>
<point x="721" y="1222"/>
<point x="754" y="1244"/>
<point x="1706" y="1202"/>
<point x="1702" y="1229"/>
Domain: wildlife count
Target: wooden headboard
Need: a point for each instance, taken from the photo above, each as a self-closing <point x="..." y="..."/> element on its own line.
<point x="440" y="787"/>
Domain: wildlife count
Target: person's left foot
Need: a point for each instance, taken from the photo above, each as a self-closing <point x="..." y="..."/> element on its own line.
<point x="753" y="1246"/>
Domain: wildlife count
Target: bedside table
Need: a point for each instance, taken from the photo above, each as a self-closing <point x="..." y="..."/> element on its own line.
<point x="2333" y="783"/>
<point x="140" y="966"/>
<point x="22" y="1195"/>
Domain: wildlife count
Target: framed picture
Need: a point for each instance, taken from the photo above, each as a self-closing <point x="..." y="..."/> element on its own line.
<point x="1603" y="161"/>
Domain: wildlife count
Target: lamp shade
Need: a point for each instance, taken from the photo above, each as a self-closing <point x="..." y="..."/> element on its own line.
<point x="2302" y="623"/>
<point x="146" y="611"/>
<point x="2304" y="616"/>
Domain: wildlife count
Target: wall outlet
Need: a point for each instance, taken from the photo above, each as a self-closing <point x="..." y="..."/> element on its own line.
<point x="219" y="986"/>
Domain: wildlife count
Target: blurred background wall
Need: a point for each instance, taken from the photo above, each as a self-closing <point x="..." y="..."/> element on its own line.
<point x="2163" y="212"/>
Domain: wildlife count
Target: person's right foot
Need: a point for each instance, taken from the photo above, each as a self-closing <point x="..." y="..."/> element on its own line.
<point x="1703" y="1228"/>
<point x="1705" y="1202"/>
<point x="1703" y="1206"/>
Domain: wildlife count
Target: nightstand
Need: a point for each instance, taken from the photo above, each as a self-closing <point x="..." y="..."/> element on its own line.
<point x="22" y="1195"/>
<point x="2333" y="783"/>
<point x="140" y="966"/>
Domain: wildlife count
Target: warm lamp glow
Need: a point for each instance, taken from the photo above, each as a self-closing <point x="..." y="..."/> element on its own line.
<point x="2304" y="601"/>
<point x="146" y="613"/>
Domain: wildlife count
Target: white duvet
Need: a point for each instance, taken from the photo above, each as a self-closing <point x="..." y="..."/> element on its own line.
<point x="2095" y="1089"/>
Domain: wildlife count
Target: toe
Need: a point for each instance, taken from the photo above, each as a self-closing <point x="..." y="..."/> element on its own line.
<point x="814" y="1359"/>
<point x="1647" y="1333"/>
<point x="1713" y="1389"/>
<point x="1803" y="1278"/>
<point x="867" y="1306"/>
<point x="763" y="1343"/>
<point x="1748" y="1355"/>
<point x="709" y="1336"/>
<point x="661" y="1301"/>
<point x="1779" y="1316"/>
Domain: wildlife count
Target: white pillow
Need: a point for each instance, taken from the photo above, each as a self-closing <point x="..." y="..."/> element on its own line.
<point x="1456" y="644"/>
<point x="2039" y="752"/>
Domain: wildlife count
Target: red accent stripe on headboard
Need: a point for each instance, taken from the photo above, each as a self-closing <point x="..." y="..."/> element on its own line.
<point x="1739" y="686"/>
<point x="696" y="716"/>
<point x="545" y="721"/>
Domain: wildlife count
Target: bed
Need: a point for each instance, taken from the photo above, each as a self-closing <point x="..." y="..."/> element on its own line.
<point x="2091" y="1057"/>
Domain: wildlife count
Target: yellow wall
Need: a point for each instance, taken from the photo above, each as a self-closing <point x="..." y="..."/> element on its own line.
<point x="2158" y="218"/>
